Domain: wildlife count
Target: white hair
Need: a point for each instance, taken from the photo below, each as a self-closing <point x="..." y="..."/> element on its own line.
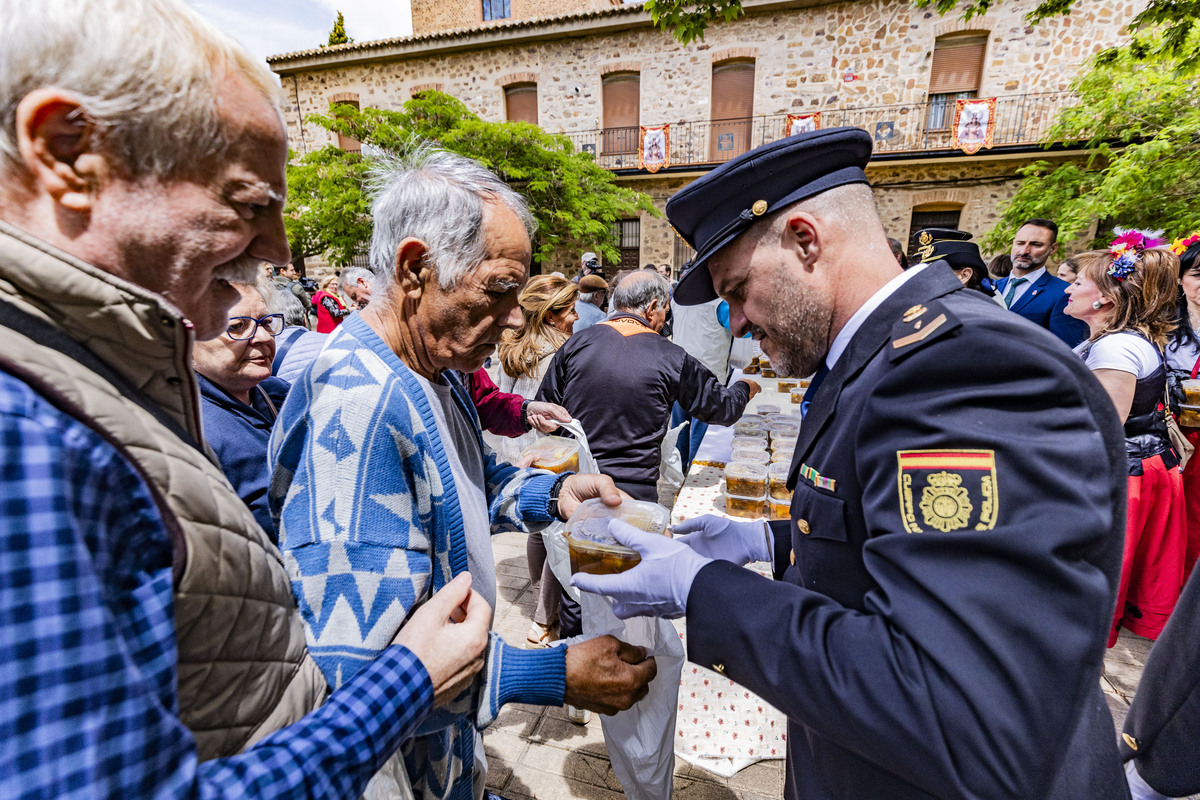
<point x="145" y="73"/>
<point x="351" y="276"/>
<point x="437" y="197"/>
<point x="637" y="290"/>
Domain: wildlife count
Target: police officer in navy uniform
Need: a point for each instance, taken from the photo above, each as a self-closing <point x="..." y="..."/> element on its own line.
<point x="958" y="251"/>
<point x="945" y="585"/>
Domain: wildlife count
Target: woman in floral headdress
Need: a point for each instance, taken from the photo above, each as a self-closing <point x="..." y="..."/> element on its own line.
<point x="1183" y="359"/>
<point x="1126" y="295"/>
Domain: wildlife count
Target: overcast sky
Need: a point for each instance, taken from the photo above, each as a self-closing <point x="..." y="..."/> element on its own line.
<point x="271" y="27"/>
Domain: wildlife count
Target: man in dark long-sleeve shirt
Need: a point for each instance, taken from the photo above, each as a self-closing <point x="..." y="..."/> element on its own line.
<point x="620" y="378"/>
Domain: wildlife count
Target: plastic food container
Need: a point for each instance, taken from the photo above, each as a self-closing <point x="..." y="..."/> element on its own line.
<point x="786" y="386"/>
<point x="777" y="475"/>
<point x="779" y="509"/>
<point x="803" y="383"/>
<point x="745" y="480"/>
<point x="779" y="422"/>
<point x="782" y="456"/>
<point x="555" y="453"/>
<point x="768" y="372"/>
<point x="1189" y="416"/>
<point x="739" y="506"/>
<point x="748" y="426"/>
<point x="798" y="396"/>
<point x="592" y="548"/>
<point x="750" y="442"/>
<point x="748" y="456"/>
<point x="766" y="409"/>
<point x="748" y="417"/>
<point x="750" y="369"/>
<point x="1191" y="393"/>
<point x="784" y="439"/>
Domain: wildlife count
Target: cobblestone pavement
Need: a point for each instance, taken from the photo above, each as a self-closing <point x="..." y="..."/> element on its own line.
<point x="536" y="752"/>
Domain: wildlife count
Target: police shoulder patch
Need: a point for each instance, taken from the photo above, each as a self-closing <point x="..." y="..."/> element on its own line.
<point x="921" y="325"/>
<point x="947" y="490"/>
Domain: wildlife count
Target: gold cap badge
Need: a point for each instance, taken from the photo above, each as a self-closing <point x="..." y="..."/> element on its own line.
<point x="925" y="238"/>
<point x="759" y="208"/>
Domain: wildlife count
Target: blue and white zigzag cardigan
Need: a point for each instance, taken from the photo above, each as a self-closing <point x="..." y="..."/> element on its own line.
<point x="370" y="526"/>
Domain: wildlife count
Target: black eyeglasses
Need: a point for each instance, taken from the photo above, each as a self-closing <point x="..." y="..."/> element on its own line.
<point x="247" y="327"/>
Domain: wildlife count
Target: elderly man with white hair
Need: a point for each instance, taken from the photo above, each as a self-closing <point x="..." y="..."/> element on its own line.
<point x="149" y="637"/>
<point x="356" y="284"/>
<point x="383" y="486"/>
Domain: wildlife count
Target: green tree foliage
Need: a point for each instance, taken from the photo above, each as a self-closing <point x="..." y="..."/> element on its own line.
<point x="338" y="34"/>
<point x="1139" y="119"/>
<point x="574" y="200"/>
<point x="688" y="19"/>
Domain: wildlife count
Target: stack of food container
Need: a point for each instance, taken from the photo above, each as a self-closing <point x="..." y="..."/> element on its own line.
<point x="763" y="444"/>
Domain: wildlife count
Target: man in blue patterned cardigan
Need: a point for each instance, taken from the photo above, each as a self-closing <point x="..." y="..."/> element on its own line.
<point x="382" y="484"/>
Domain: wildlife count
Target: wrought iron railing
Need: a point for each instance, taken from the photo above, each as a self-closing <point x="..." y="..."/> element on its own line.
<point x="1021" y="119"/>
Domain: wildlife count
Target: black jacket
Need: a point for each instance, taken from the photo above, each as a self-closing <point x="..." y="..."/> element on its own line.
<point x="957" y="527"/>
<point x="1162" y="730"/>
<point x="622" y="387"/>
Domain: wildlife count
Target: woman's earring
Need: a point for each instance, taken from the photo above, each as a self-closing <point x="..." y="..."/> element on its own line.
<point x="1097" y="305"/>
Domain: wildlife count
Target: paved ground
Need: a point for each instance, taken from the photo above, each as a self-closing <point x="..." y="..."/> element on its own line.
<point x="536" y="752"/>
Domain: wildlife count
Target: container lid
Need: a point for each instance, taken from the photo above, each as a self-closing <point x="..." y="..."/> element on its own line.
<point x="749" y="440"/>
<point x="758" y="498"/>
<point x="781" y="423"/>
<point x="778" y="471"/>
<point x="767" y="408"/>
<point x="591" y="518"/>
<point x="551" y="450"/>
<point x="752" y="418"/>
<point x="750" y="456"/>
<point x="1193" y="383"/>
<point x="745" y="471"/>
<point x="783" y="455"/>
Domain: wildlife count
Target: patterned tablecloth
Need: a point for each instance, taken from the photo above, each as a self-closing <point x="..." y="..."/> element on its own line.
<point x="721" y="726"/>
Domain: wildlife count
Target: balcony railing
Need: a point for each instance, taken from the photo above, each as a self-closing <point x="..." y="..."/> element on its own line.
<point x="915" y="128"/>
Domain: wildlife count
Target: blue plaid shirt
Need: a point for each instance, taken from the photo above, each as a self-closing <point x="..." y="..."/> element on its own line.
<point x="87" y="643"/>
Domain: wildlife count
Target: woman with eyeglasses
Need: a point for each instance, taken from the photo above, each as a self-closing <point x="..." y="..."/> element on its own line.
<point x="240" y="399"/>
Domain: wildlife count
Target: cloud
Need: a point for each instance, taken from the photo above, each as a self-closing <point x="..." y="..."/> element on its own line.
<point x="367" y="20"/>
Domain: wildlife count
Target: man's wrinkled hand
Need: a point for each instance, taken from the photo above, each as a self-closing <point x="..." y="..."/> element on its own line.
<point x="717" y="537"/>
<point x="449" y="634"/>
<point x="580" y="487"/>
<point x="658" y="586"/>
<point x="607" y="675"/>
<point x="754" y="387"/>
<point x="546" y="417"/>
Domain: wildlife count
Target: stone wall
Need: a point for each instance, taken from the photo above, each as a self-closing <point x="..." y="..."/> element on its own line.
<point x="431" y="16"/>
<point x="803" y="58"/>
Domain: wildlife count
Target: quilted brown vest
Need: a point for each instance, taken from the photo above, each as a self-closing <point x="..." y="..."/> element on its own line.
<point x="244" y="670"/>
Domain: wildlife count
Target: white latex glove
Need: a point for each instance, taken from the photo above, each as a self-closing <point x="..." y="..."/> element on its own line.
<point x="656" y="587"/>
<point x="717" y="537"/>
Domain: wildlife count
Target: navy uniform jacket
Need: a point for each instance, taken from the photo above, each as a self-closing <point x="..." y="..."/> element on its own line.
<point x="957" y="527"/>
<point x="1162" y="730"/>
<point x="1044" y="304"/>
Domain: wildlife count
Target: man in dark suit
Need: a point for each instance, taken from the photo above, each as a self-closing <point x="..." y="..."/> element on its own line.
<point x="944" y="585"/>
<point x="1031" y="291"/>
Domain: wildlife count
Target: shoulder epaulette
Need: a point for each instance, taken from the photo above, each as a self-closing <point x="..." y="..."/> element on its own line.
<point x="920" y="325"/>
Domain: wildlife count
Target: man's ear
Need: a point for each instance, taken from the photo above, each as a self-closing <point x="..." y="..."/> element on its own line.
<point x="57" y="145"/>
<point x="801" y="233"/>
<point x="410" y="269"/>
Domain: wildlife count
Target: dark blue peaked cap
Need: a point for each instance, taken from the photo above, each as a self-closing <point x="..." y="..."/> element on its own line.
<point x="720" y="206"/>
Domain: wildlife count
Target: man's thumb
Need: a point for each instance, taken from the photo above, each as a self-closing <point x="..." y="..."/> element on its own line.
<point x="451" y="595"/>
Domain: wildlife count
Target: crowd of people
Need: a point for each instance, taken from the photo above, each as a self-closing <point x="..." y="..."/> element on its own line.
<point x="245" y="536"/>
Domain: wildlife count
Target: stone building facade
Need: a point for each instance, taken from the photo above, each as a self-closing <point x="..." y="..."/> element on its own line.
<point x="863" y="63"/>
<point x="431" y="16"/>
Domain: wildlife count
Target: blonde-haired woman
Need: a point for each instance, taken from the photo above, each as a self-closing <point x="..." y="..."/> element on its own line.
<point x="1127" y="295"/>
<point x="549" y="305"/>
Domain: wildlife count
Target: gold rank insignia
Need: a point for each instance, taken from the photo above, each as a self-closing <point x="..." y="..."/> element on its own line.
<point x="947" y="490"/>
<point x="925" y="238"/>
<point x="759" y="208"/>
<point x="914" y="312"/>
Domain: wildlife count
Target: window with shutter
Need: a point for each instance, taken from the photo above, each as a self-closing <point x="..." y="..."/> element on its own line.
<point x="622" y="98"/>
<point x="629" y="238"/>
<point x="732" y="107"/>
<point x="347" y="143"/>
<point x="957" y="72"/>
<point x="932" y="215"/>
<point x="495" y="9"/>
<point x="521" y="101"/>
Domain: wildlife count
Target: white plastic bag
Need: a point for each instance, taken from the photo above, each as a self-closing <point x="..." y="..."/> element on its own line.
<point x="640" y="741"/>
<point x="670" y="467"/>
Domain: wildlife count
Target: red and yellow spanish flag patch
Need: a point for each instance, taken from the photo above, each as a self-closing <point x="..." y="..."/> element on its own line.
<point x="947" y="490"/>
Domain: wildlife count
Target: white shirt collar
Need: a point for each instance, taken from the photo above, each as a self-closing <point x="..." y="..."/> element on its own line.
<point x="1031" y="278"/>
<point x="842" y="340"/>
